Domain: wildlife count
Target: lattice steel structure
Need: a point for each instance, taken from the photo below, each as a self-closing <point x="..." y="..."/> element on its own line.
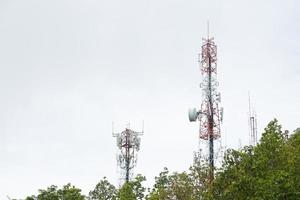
<point x="210" y="114"/>
<point x="252" y="121"/>
<point x="128" y="143"/>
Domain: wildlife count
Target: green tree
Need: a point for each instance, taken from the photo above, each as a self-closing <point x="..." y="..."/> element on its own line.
<point x="126" y="192"/>
<point x="293" y="164"/>
<point x="181" y="186"/>
<point x="199" y="175"/>
<point x="138" y="188"/>
<point x="267" y="171"/>
<point x="160" y="190"/>
<point x="50" y="193"/>
<point x="30" y="198"/>
<point x="68" y="192"/>
<point x="172" y="186"/>
<point x="133" y="190"/>
<point x="103" y="191"/>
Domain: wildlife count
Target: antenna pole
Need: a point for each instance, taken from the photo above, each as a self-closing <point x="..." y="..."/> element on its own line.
<point x="207" y="29"/>
<point x="252" y="124"/>
<point x="249" y="119"/>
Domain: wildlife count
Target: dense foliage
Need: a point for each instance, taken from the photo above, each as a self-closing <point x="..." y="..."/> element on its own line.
<point x="67" y="192"/>
<point x="270" y="170"/>
<point x="103" y="190"/>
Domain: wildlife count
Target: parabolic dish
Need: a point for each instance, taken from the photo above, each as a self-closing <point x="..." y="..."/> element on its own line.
<point x="193" y="114"/>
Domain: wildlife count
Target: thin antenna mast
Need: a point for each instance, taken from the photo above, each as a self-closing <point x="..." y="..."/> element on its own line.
<point x="252" y="120"/>
<point x="207" y="29"/>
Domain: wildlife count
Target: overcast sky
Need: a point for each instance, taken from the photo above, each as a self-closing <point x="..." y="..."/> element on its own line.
<point x="70" y="68"/>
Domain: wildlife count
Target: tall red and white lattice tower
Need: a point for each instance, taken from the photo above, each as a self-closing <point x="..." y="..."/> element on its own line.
<point x="210" y="114"/>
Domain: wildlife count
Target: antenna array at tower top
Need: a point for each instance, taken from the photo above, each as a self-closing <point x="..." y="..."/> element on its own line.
<point x="128" y="143"/>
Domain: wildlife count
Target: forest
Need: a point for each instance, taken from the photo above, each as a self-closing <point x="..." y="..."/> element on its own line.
<point x="269" y="170"/>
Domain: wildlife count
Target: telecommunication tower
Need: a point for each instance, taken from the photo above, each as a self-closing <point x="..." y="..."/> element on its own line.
<point x="210" y="114"/>
<point x="128" y="143"/>
<point x="252" y="121"/>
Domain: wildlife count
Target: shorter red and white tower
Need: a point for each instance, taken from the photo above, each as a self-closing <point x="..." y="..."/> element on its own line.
<point x="128" y="143"/>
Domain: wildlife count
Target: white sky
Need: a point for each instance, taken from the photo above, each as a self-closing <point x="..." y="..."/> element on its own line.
<point x="70" y="68"/>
